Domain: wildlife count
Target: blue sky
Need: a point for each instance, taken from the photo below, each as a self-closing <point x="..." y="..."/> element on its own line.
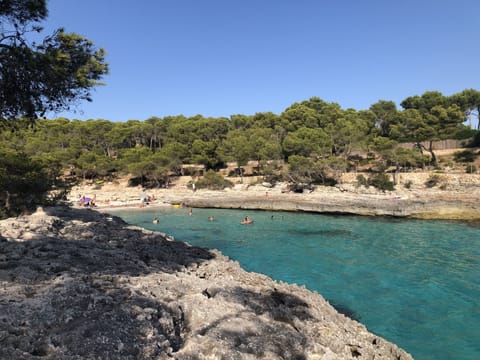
<point x="225" y="57"/>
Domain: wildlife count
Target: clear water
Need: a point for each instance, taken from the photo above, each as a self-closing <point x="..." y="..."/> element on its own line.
<point x="416" y="283"/>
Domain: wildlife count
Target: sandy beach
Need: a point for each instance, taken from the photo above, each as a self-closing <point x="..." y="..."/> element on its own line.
<point x="456" y="199"/>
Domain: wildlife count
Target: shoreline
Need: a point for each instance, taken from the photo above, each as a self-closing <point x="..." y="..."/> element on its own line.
<point x="79" y="283"/>
<point x="412" y="204"/>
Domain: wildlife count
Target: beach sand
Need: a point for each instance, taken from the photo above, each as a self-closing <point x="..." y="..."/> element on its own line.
<point x="457" y="197"/>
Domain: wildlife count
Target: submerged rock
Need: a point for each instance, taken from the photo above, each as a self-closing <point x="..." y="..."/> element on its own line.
<point x="78" y="284"/>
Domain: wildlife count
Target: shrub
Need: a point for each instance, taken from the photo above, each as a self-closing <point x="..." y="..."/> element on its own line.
<point x="465" y="156"/>
<point x="213" y="181"/>
<point x="408" y="184"/>
<point x="381" y="181"/>
<point x="476" y="140"/>
<point x="433" y="180"/>
<point x="362" y="180"/>
<point x="471" y="169"/>
<point x="465" y="134"/>
<point x="24" y="183"/>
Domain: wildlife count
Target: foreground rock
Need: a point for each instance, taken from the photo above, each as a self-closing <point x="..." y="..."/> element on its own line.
<point x="78" y="284"/>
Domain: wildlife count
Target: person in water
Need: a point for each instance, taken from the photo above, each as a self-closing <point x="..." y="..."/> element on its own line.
<point x="155" y="220"/>
<point x="247" y="220"/>
<point x="211" y="218"/>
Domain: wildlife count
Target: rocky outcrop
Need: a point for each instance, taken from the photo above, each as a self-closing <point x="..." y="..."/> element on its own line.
<point x="343" y="203"/>
<point x="77" y="284"/>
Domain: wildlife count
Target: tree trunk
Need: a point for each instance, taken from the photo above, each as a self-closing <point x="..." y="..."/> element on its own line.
<point x="433" y="160"/>
<point x="430" y="150"/>
<point x="478" y="117"/>
<point x="7" y="201"/>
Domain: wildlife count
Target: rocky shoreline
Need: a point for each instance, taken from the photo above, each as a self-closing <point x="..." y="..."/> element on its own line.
<point x="78" y="284"/>
<point x="459" y="200"/>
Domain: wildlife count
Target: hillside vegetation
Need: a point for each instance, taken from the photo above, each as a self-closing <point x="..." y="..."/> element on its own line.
<point x="311" y="142"/>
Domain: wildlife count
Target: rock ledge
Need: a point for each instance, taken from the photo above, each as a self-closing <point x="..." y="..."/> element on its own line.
<point x="79" y="284"/>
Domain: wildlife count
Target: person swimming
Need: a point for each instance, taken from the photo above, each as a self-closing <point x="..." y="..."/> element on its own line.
<point x="246" y="221"/>
<point x="155" y="220"/>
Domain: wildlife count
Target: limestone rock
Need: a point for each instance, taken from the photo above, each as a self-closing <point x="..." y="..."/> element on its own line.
<point x="77" y="284"/>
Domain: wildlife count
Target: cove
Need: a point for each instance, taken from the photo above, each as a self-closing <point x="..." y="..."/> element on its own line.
<point x="414" y="282"/>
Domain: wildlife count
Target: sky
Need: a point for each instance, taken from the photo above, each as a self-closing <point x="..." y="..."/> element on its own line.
<point x="219" y="58"/>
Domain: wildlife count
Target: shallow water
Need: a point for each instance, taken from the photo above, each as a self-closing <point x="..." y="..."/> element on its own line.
<point x="416" y="283"/>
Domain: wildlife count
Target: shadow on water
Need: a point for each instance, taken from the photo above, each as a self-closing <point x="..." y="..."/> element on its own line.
<point x="321" y="232"/>
<point x="345" y="310"/>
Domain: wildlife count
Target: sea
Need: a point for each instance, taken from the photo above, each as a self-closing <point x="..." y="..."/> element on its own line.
<point x="414" y="282"/>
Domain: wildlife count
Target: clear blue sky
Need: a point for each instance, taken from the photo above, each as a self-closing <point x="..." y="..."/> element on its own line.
<point x="225" y="57"/>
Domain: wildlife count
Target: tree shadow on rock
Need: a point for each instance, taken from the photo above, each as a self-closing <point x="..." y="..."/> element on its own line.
<point x="266" y="326"/>
<point x="68" y="287"/>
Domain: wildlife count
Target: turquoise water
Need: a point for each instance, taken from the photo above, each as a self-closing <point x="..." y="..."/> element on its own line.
<point x="416" y="283"/>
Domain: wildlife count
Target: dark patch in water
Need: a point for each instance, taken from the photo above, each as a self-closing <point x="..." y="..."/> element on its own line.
<point x="345" y="310"/>
<point x="330" y="232"/>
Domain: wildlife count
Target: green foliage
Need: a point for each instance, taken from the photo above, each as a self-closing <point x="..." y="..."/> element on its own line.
<point x="21" y="12"/>
<point x="476" y="140"/>
<point x="36" y="78"/>
<point x="24" y="183"/>
<point x="308" y="142"/>
<point x="235" y="148"/>
<point x="381" y="181"/>
<point x="302" y="169"/>
<point x="47" y="77"/>
<point x="362" y="180"/>
<point x="465" y="133"/>
<point x="213" y="181"/>
<point x="471" y="169"/>
<point x="385" y="116"/>
<point x="465" y="156"/>
<point x="320" y="140"/>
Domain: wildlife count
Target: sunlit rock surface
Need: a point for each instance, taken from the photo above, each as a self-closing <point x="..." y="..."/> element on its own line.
<point x="77" y="284"/>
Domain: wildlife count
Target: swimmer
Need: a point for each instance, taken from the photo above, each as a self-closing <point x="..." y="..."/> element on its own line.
<point x="246" y="221"/>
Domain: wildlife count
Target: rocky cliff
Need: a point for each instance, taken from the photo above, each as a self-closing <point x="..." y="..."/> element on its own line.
<point x="77" y="284"/>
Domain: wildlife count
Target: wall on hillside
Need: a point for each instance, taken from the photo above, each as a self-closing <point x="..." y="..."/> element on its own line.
<point x="439" y="145"/>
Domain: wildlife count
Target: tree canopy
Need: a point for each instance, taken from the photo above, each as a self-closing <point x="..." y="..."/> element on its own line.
<point x="50" y="76"/>
<point x="310" y="141"/>
<point x="315" y="137"/>
<point x="36" y="78"/>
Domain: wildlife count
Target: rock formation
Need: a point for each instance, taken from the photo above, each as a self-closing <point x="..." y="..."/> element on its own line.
<point x="78" y="284"/>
